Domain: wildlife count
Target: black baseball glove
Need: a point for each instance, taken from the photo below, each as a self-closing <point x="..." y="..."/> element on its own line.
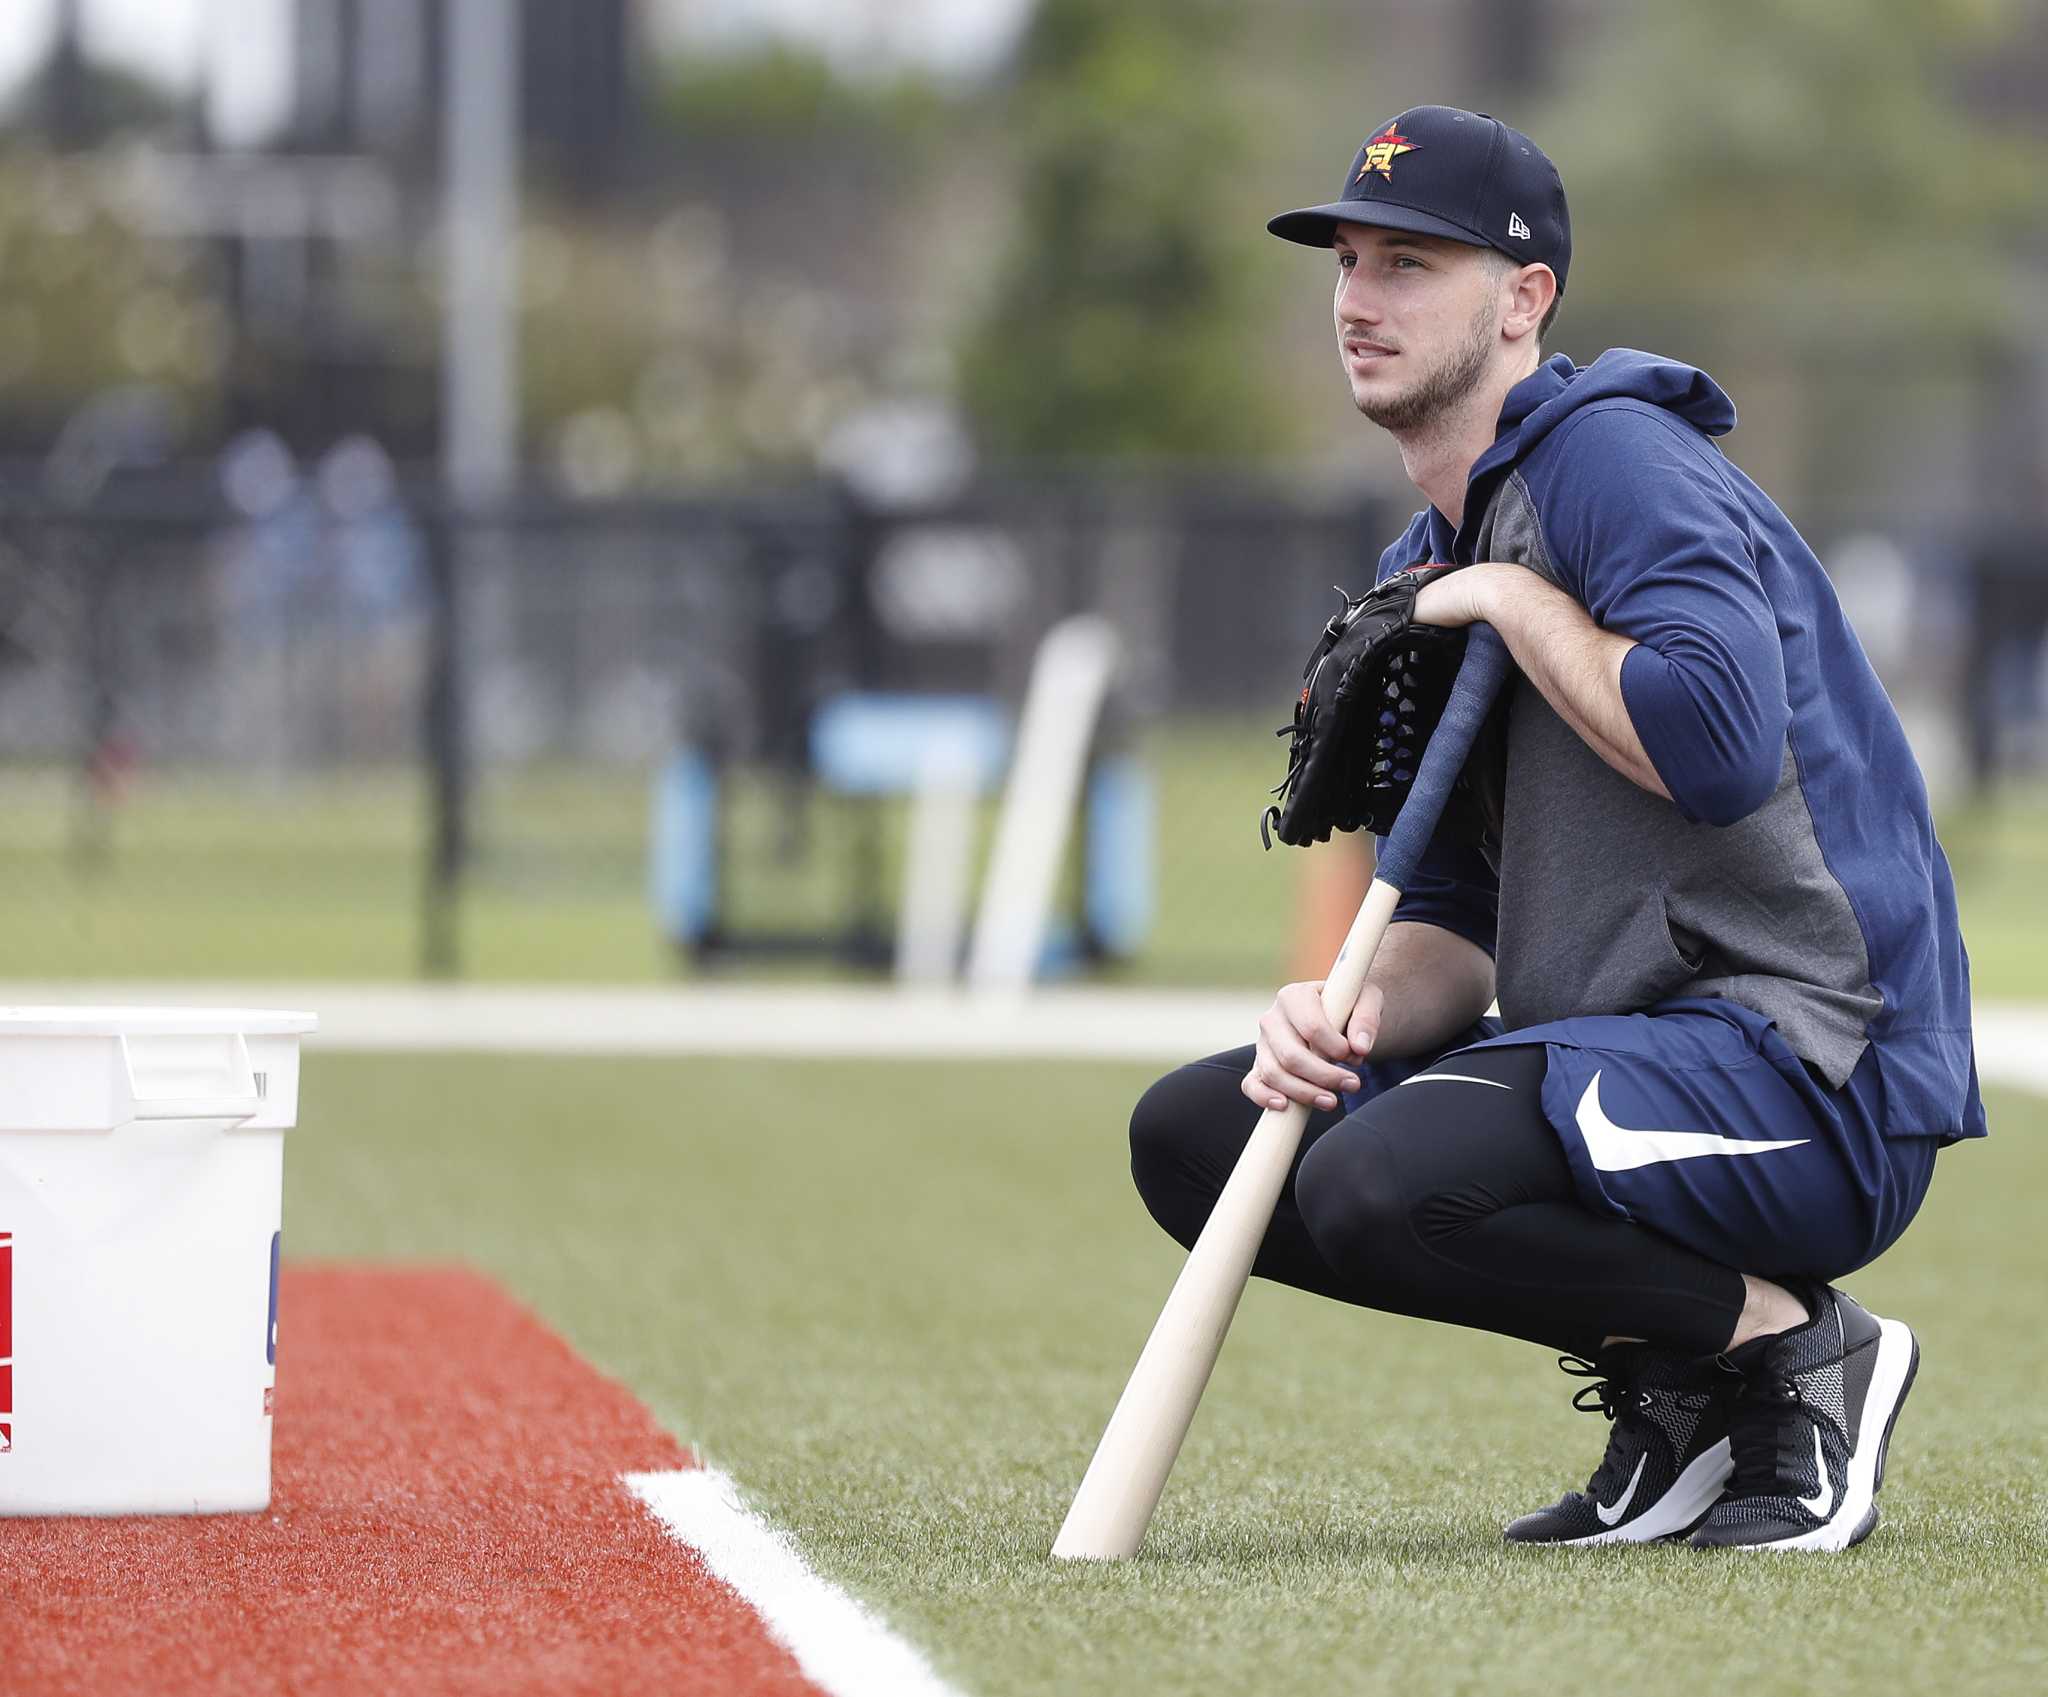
<point x="1371" y="694"/>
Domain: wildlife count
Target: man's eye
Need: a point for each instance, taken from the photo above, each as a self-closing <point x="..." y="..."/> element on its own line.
<point x="1345" y="261"/>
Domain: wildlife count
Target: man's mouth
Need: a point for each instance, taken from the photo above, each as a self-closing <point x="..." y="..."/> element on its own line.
<point x="1367" y="350"/>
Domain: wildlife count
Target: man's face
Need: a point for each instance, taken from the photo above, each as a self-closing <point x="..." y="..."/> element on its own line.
<point x="1418" y="321"/>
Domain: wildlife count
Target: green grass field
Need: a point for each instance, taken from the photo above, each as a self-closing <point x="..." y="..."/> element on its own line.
<point x="191" y="876"/>
<point x="324" y="878"/>
<point x="898" y="1302"/>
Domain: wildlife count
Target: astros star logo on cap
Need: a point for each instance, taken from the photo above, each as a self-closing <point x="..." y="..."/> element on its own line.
<point x="1382" y="151"/>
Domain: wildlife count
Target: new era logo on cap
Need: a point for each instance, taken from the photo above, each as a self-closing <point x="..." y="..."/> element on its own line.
<point x="1517" y="228"/>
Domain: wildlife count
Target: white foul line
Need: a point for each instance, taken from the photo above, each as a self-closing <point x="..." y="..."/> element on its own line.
<point x="840" y="1647"/>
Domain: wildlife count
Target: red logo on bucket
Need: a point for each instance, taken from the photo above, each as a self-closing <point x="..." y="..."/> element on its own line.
<point x="6" y="1340"/>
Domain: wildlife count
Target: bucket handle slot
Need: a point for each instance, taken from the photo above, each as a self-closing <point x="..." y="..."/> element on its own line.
<point x="243" y="1100"/>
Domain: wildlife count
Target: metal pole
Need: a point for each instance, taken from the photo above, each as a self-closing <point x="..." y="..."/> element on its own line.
<point x="479" y="395"/>
<point x="480" y="406"/>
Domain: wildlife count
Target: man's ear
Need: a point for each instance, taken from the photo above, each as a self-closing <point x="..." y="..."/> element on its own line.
<point x="1535" y="289"/>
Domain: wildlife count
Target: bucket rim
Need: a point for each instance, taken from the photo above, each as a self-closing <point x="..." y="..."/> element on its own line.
<point x="154" y="1022"/>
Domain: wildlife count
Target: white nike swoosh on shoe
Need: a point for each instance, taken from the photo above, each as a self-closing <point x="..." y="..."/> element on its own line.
<point x="1608" y="1516"/>
<point x="1617" y="1148"/>
<point x="1822" y="1500"/>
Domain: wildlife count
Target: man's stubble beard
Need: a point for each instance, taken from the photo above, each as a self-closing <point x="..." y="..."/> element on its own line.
<point x="1442" y="389"/>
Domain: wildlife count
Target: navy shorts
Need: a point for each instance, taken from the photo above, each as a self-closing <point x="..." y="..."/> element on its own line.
<point x="1697" y="1120"/>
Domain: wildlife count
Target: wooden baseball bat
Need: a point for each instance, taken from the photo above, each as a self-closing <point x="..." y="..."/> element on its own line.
<point x="1123" y="1483"/>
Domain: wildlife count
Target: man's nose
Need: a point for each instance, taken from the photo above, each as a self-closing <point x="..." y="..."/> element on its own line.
<point x="1357" y="303"/>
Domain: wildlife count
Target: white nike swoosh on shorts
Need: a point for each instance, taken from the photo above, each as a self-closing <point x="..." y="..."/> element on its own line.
<point x="1453" y="1078"/>
<point x="1617" y="1148"/>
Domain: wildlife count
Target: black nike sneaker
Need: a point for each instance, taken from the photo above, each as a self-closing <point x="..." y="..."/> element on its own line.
<point x="1667" y="1452"/>
<point x="1809" y="1428"/>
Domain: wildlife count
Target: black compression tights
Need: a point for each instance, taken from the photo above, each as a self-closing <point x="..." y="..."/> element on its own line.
<point x="1445" y="1200"/>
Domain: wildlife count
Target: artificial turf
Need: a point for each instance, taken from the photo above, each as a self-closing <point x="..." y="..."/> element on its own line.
<point x="898" y="1301"/>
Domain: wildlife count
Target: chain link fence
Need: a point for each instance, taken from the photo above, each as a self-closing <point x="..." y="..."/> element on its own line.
<point x="333" y="730"/>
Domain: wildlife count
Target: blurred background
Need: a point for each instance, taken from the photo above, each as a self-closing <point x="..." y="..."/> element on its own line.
<point x="581" y="490"/>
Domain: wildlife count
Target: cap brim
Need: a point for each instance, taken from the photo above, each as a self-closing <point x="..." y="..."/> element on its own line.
<point x="1314" y="226"/>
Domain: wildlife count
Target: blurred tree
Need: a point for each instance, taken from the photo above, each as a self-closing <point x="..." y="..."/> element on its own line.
<point x="780" y="90"/>
<point x="74" y="102"/>
<point x="749" y="301"/>
<point x="1812" y="156"/>
<point x="1122" y="320"/>
<point x="1803" y="195"/>
<point x="88" y="303"/>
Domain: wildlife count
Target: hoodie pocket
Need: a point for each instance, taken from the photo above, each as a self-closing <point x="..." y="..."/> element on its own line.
<point x="1688" y="948"/>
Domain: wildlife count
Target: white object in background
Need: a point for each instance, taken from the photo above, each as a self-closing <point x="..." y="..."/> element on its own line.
<point x="1069" y="681"/>
<point x="141" y="1195"/>
<point x="937" y="863"/>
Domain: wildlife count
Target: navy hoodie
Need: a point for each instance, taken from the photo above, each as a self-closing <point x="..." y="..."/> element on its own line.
<point x="1794" y="872"/>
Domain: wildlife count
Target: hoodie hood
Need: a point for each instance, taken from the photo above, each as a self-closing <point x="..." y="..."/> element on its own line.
<point x="1557" y="390"/>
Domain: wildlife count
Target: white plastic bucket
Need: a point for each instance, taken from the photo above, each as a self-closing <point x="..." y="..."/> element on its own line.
<point x="141" y="1195"/>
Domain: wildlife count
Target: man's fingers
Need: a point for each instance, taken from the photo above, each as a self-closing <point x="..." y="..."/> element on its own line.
<point x="1293" y="1058"/>
<point x="1301" y="1076"/>
<point x="1303" y="1006"/>
<point x="1272" y="1093"/>
<point x="1254" y="1085"/>
<point x="1362" y="1030"/>
<point x="1260" y="1091"/>
<point x="1301" y="1056"/>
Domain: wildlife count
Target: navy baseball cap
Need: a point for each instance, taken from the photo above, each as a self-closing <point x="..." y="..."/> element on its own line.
<point x="1440" y="171"/>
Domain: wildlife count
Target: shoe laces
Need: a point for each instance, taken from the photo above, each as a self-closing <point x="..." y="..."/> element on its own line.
<point x="1609" y="1393"/>
<point x="1618" y="1399"/>
<point x="1767" y="1431"/>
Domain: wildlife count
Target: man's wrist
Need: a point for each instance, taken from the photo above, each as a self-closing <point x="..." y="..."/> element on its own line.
<point x="1494" y="587"/>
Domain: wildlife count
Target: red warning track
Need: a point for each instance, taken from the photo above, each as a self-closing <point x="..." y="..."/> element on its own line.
<point x="445" y="1517"/>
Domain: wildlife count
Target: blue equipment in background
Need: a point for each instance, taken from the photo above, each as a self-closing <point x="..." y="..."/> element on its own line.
<point x="873" y="746"/>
